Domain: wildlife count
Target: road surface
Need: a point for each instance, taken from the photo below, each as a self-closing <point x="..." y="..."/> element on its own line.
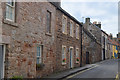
<point x="105" y="70"/>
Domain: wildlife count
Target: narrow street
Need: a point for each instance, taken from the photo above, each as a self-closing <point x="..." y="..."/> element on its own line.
<point x="104" y="70"/>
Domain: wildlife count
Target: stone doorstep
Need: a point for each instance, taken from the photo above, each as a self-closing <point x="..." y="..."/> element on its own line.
<point x="66" y="73"/>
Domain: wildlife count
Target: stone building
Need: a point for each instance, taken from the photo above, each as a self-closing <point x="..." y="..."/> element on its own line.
<point x="104" y="40"/>
<point x="118" y="38"/>
<point x="37" y="39"/>
<point x="110" y="48"/>
<point x="68" y="40"/>
<point x="28" y="39"/>
<point x="91" y="42"/>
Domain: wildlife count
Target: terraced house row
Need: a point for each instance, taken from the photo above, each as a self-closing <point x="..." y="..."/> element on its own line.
<point x="40" y="38"/>
<point x="37" y="39"/>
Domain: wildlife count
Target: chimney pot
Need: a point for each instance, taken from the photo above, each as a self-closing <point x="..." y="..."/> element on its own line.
<point x="99" y="22"/>
<point x="95" y="22"/>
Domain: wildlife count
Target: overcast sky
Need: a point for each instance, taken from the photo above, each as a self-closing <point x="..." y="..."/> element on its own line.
<point x="104" y="12"/>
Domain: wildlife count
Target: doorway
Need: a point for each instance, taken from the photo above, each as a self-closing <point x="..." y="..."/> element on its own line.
<point x="71" y="57"/>
<point x="103" y="54"/>
<point x="87" y="58"/>
<point x="2" y="59"/>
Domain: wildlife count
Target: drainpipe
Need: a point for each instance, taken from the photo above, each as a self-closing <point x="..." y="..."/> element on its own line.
<point x="81" y="48"/>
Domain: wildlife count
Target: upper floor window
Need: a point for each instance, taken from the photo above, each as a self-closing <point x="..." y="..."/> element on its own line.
<point x="71" y="28"/>
<point x="10" y="10"/>
<point x="48" y="22"/>
<point x="64" y="24"/>
<point x="64" y="54"/>
<point x="77" y="31"/>
<point x="39" y="54"/>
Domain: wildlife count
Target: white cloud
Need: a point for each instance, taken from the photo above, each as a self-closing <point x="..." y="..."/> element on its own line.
<point x="103" y="12"/>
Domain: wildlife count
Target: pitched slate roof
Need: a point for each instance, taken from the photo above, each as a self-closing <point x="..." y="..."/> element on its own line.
<point x="113" y="42"/>
<point x="66" y="13"/>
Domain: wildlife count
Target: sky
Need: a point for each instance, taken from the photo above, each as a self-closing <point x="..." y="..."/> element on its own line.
<point x="100" y="11"/>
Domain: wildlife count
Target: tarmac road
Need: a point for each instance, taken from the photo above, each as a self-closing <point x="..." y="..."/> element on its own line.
<point x="107" y="70"/>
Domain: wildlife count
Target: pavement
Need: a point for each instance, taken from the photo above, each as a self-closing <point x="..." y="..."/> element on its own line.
<point x="74" y="73"/>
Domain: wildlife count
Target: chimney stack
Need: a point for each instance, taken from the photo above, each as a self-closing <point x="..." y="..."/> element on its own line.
<point x="87" y="20"/>
<point x="111" y="37"/>
<point x="97" y="24"/>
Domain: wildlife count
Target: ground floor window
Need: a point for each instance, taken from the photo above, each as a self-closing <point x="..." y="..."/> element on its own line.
<point x="39" y="54"/>
<point x="77" y="55"/>
<point x="64" y="54"/>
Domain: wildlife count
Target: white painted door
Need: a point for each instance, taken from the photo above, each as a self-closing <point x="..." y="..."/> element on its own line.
<point x="71" y="57"/>
<point x="2" y="61"/>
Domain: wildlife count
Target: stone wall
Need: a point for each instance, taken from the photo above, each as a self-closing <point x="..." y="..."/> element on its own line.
<point x="0" y="22"/>
<point x="91" y="46"/>
<point x="28" y="31"/>
<point x="68" y="41"/>
<point x="91" y="42"/>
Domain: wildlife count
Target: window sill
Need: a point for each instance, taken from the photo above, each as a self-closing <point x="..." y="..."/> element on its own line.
<point x="77" y="62"/>
<point x="48" y="34"/>
<point x="63" y="64"/>
<point x="64" y="33"/>
<point x="71" y="36"/>
<point x="77" y="38"/>
<point x="10" y="23"/>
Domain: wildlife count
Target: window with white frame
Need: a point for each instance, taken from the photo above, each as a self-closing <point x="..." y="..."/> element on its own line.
<point x="63" y="54"/>
<point x="77" y="55"/>
<point x="71" y="28"/>
<point x="77" y="31"/>
<point x="39" y="54"/>
<point x="64" y="24"/>
<point x="10" y="10"/>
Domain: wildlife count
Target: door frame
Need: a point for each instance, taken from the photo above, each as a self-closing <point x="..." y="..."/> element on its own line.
<point x="4" y="51"/>
<point x="104" y="54"/>
<point x="71" y="59"/>
<point x="87" y="58"/>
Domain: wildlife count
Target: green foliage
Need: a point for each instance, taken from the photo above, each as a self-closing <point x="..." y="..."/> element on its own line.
<point x="64" y="60"/>
<point x="40" y="66"/>
<point x="17" y="78"/>
<point x="77" y="59"/>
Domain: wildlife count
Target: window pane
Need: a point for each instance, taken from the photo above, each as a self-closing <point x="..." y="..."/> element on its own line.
<point x="40" y="60"/>
<point x="7" y="12"/>
<point x="39" y="54"/>
<point x="10" y="2"/>
<point x="76" y="53"/>
<point x="37" y="51"/>
<point x="63" y="52"/>
<point x="48" y="22"/>
<point x="40" y="51"/>
<point x="37" y="60"/>
<point x="71" y="29"/>
<point x="64" y="25"/>
<point x="10" y="10"/>
<point x="11" y="14"/>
